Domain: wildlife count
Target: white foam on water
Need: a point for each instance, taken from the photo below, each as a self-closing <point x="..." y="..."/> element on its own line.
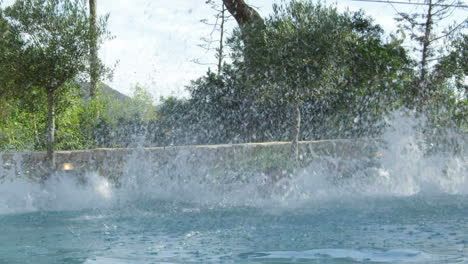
<point x="107" y="260"/>
<point x="405" y="169"/>
<point x="389" y="256"/>
<point x="59" y="192"/>
<point x="411" y="170"/>
<point x="17" y="196"/>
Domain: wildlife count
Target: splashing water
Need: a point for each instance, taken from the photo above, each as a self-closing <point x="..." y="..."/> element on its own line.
<point x="409" y="206"/>
<point x="57" y="193"/>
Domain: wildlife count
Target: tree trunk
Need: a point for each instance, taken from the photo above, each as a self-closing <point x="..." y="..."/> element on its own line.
<point x="296" y="133"/>
<point x="51" y="128"/>
<point x="252" y="27"/>
<point x="221" y="39"/>
<point x="243" y="13"/>
<point x="426" y="42"/>
<point x="93" y="50"/>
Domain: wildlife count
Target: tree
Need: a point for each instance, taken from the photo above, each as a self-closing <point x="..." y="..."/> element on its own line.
<point x="424" y="28"/>
<point x="317" y="56"/>
<point x="439" y="91"/>
<point x="324" y="67"/>
<point x="243" y="13"/>
<point x="322" y="74"/>
<point x="251" y="25"/>
<point x="221" y="17"/>
<point x="93" y="49"/>
<point x="48" y="47"/>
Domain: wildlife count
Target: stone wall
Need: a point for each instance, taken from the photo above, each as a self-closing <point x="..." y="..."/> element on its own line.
<point x="204" y="159"/>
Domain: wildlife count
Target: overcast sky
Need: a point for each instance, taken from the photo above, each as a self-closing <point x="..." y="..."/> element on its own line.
<point x="156" y="41"/>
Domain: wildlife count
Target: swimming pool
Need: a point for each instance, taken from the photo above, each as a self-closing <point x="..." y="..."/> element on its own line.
<point x="309" y="220"/>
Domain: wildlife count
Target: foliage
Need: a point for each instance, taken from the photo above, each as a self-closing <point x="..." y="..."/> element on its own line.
<point x="54" y="42"/>
<point x="436" y="48"/>
<point x="123" y="123"/>
<point x="46" y="47"/>
<point x="20" y="128"/>
<point x="439" y="92"/>
<point x="333" y="62"/>
<point x="173" y="126"/>
<point x="339" y="69"/>
<point x="102" y="121"/>
<point x="335" y="66"/>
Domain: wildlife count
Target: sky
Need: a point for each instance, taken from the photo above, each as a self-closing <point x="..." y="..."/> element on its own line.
<point x="156" y="42"/>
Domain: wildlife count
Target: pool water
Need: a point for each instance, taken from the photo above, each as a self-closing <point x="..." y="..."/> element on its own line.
<point x="93" y="227"/>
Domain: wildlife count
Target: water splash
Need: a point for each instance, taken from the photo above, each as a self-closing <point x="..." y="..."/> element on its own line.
<point x="59" y="192"/>
<point x="374" y="256"/>
<point x="404" y="168"/>
<point x="401" y="167"/>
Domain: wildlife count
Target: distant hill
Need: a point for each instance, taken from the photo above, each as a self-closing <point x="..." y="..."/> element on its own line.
<point x="106" y="91"/>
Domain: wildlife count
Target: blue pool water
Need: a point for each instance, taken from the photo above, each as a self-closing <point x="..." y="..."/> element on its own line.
<point x="98" y="225"/>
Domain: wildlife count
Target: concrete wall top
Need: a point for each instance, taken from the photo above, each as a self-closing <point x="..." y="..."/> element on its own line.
<point x="114" y="161"/>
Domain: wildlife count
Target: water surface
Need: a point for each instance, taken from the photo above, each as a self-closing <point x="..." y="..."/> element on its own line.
<point x="410" y="229"/>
